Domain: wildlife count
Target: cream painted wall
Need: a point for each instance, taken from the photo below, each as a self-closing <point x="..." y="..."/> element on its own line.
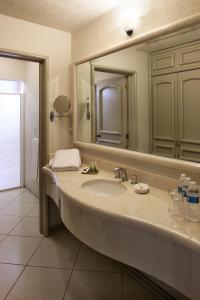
<point x="83" y="93"/>
<point x="22" y="36"/>
<point x="147" y="15"/>
<point x="31" y="120"/>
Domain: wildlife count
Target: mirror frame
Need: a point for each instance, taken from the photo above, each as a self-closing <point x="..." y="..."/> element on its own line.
<point x="130" y="156"/>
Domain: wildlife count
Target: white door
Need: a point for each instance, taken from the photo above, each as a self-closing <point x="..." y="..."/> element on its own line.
<point x="112" y="112"/>
<point x="9" y="141"/>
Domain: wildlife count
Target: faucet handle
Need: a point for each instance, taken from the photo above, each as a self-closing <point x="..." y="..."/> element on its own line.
<point x="133" y="179"/>
<point x="117" y="171"/>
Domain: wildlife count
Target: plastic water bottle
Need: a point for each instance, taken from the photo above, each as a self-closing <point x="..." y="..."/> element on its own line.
<point x="180" y="183"/>
<point x="193" y="207"/>
<point x="185" y="187"/>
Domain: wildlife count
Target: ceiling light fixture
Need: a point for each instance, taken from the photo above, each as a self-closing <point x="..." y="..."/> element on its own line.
<point x="129" y="30"/>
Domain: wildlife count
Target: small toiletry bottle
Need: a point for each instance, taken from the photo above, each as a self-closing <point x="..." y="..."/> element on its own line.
<point x="180" y="183"/>
<point x="92" y="167"/>
<point x="95" y="168"/>
<point x="193" y="207"/>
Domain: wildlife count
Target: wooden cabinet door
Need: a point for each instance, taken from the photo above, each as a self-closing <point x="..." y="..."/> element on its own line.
<point x="164" y="100"/>
<point x="189" y="115"/>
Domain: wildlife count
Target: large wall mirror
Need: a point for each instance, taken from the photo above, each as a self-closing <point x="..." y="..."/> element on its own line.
<point x="144" y="98"/>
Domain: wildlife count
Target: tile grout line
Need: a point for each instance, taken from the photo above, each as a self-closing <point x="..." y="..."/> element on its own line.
<point x="30" y="236"/>
<point x="15" y="281"/>
<point x="42" y="239"/>
<point x="23" y="217"/>
<point x="5" y="236"/>
<point x="16" y="196"/>
<point x="32" y="209"/>
<point x="72" y="269"/>
<point x="13" y="264"/>
<point x="18" y="215"/>
<point x="8" y="234"/>
<point x="24" y="268"/>
<point x="72" y="272"/>
<point x="6" y="205"/>
<point x="56" y="268"/>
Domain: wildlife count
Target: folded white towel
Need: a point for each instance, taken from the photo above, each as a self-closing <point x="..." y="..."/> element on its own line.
<point x="67" y="160"/>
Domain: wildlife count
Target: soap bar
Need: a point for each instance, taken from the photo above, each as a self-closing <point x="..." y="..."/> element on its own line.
<point x="141" y="188"/>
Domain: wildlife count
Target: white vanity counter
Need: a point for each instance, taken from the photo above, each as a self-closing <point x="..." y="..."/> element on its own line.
<point x="133" y="228"/>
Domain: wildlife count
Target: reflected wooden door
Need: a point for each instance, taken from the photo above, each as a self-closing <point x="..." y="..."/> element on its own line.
<point x="164" y="105"/>
<point x="189" y="115"/>
<point x="112" y="112"/>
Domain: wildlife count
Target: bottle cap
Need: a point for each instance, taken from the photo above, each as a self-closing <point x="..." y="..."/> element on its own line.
<point x="141" y="188"/>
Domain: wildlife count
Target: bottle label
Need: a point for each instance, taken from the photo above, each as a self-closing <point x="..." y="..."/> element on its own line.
<point x="184" y="191"/>
<point x="193" y="199"/>
<point x="180" y="189"/>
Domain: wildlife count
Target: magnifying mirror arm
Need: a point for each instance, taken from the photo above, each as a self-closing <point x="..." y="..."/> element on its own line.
<point x="53" y="115"/>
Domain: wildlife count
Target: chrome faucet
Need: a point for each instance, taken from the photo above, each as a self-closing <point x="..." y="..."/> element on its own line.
<point x="121" y="173"/>
<point x="117" y="172"/>
<point x="124" y="176"/>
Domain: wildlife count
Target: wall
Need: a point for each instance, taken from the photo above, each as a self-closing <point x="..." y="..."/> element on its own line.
<point x="31" y="120"/>
<point x="83" y="93"/>
<point x="22" y="36"/>
<point x="147" y="15"/>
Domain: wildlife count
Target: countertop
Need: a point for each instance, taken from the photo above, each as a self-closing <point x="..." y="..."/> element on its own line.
<point x="147" y="210"/>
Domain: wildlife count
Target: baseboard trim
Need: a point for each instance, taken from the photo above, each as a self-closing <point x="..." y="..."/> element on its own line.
<point x="159" y="292"/>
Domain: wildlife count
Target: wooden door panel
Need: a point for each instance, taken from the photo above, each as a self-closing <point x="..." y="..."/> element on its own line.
<point x="164" y="98"/>
<point x="111" y="112"/>
<point x="189" y="115"/>
<point x="110" y="109"/>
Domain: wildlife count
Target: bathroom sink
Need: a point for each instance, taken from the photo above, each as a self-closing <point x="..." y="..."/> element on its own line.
<point x="103" y="187"/>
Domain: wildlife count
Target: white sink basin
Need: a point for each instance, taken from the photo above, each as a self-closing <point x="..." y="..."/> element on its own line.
<point x="103" y="187"/>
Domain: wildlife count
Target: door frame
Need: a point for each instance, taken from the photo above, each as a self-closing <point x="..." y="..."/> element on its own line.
<point x="22" y="145"/>
<point x="43" y="120"/>
<point x="132" y="97"/>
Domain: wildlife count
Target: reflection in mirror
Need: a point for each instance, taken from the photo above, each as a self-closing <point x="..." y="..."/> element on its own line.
<point x="144" y="98"/>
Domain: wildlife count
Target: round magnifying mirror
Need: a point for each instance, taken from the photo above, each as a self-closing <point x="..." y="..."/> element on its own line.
<point x="61" y="104"/>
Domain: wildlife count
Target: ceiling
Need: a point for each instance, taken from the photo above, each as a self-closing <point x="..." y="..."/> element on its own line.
<point x="67" y="15"/>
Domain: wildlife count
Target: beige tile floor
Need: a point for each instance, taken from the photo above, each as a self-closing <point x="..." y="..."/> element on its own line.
<point x="58" y="267"/>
